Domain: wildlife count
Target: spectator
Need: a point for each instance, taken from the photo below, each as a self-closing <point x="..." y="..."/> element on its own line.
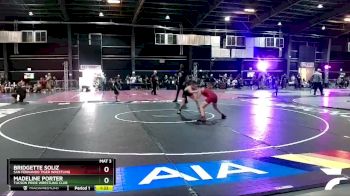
<point x="127" y="79"/>
<point x="317" y="81"/>
<point x="239" y="83"/>
<point x="133" y="79"/>
<point x="284" y="81"/>
<point x="154" y="82"/>
<point x="147" y="82"/>
<point x="54" y="83"/>
<point x="42" y="84"/>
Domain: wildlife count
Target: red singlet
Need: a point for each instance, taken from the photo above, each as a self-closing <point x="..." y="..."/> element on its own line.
<point x="210" y="95"/>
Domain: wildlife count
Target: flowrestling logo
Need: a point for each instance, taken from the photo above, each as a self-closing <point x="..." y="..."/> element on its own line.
<point x="335" y="181"/>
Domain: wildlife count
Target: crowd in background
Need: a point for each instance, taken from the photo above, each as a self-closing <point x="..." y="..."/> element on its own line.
<point x="43" y="85"/>
<point x="224" y="81"/>
<point x="170" y="81"/>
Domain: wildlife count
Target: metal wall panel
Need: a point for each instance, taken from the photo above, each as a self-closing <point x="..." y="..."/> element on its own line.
<point x="10" y="37"/>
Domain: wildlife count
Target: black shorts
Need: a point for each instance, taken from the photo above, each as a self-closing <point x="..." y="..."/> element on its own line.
<point x="116" y="92"/>
<point x="186" y="94"/>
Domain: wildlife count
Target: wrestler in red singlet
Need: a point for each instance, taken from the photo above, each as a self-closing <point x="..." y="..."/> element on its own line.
<point x="211" y="98"/>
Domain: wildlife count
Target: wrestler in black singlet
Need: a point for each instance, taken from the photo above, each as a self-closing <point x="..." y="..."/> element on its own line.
<point x="185" y="94"/>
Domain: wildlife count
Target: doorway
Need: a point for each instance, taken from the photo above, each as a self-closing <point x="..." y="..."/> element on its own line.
<point x="306" y="73"/>
<point x="91" y="78"/>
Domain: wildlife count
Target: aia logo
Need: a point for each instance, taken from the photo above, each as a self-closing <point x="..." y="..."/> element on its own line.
<point x="335" y="181"/>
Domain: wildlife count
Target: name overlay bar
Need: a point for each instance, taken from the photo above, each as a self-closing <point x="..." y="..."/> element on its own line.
<point x="60" y="175"/>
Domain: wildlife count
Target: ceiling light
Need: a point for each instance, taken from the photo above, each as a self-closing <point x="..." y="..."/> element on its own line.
<point x="347" y="19"/>
<point x="113" y="1"/>
<point x="30" y="13"/>
<point x="320" y="6"/>
<point x="249" y="10"/>
<point x="227" y="18"/>
<point x="101" y="14"/>
<point x="279" y="23"/>
<point x="323" y="28"/>
<point x="167" y="17"/>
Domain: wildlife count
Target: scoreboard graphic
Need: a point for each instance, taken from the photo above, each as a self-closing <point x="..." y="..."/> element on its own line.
<point x="61" y="175"/>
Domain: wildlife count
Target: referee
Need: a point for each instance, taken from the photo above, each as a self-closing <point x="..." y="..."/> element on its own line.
<point x="181" y="81"/>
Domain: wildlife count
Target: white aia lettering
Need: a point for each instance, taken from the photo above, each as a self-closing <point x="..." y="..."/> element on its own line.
<point x="154" y="175"/>
<point x="226" y="168"/>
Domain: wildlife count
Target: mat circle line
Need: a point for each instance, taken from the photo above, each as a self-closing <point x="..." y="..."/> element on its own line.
<point x="159" y="122"/>
<point x="159" y="154"/>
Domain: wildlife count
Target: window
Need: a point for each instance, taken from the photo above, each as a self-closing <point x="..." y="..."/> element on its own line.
<point x="160" y="38"/>
<point x="230" y="40"/>
<point x="279" y="42"/>
<point x="240" y="41"/>
<point x="95" y="39"/>
<point x="40" y="36"/>
<point x="235" y="41"/>
<point x="27" y="36"/>
<point x="171" y="39"/>
<point x="270" y="42"/>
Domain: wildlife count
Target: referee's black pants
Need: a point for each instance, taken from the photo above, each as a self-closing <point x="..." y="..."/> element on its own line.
<point x="154" y="89"/>
<point x="179" y="87"/>
<point x="318" y="85"/>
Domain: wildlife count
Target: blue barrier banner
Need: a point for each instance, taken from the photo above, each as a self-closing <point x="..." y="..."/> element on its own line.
<point x="198" y="173"/>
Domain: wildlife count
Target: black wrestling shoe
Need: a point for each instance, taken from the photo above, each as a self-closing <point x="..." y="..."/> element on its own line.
<point x="179" y="112"/>
<point x="202" y="119"/>
<point x="175" y="101"/>
<point x="223" y="116"/>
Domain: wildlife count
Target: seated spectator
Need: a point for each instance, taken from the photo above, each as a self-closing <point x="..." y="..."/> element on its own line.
<point x="42" y="82"/>
<point x="8" y="87"/>
<point x="127" y="79"/>
<point x="305" y="84"/>
<point x="133" y="79"/>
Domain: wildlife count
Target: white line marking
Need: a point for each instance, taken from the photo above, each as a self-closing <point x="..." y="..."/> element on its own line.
<point x="63" y="103"/>
<point x="165" y="116"/>
<point x="11" y="193"/>
<point x="332" y="171"/>
<point x="4" y="104"/>
<point x="284" y="187"/>
<point x="158" y="122"/>
<point x="295" y="101"/>
<point x="347" y="136"/>
<point x="160" y="154"/>
<point x="334" y="182"/>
